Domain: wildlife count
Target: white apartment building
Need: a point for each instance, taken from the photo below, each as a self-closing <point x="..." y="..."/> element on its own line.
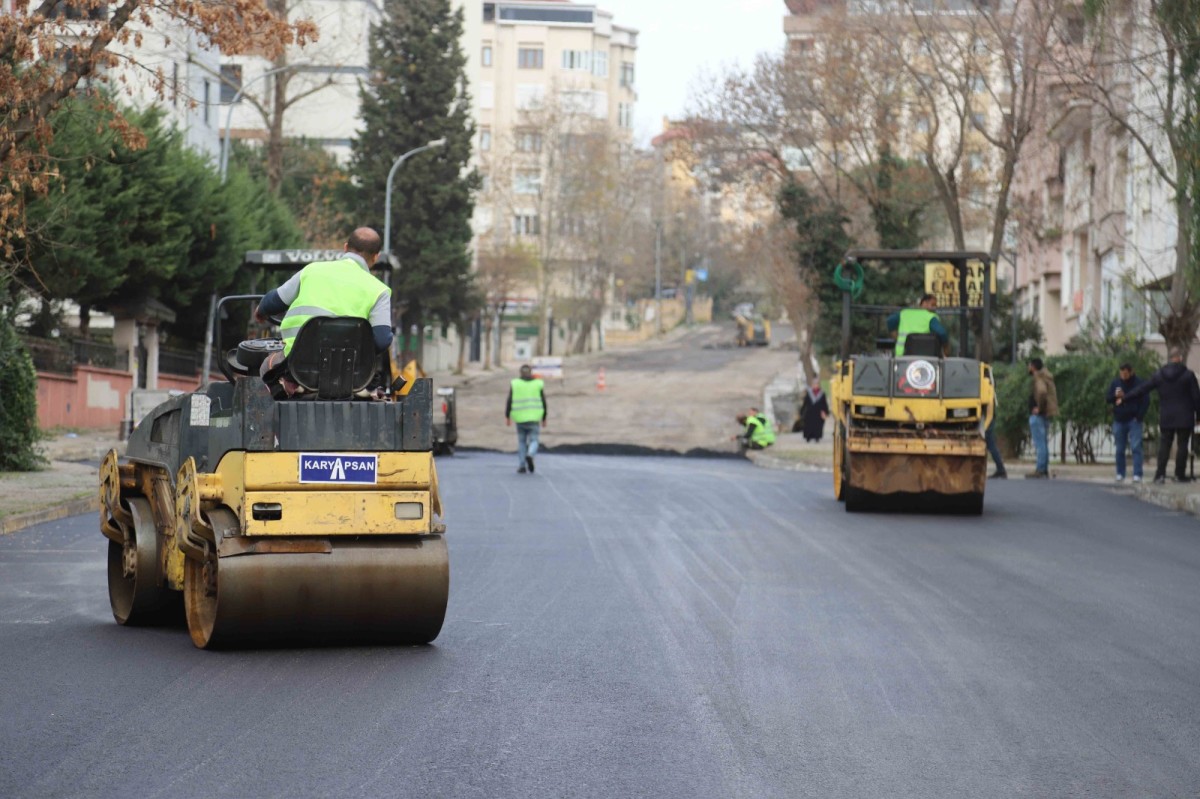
<point x="324" y="75"/>
<point x="539" y="59"/>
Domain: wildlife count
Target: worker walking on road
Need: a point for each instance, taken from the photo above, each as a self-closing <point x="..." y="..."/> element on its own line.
<point x="527" y="409"/>
<point x="922" y="319"/>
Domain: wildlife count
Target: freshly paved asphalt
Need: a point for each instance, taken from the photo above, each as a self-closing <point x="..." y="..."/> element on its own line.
<point x="654" y="627"/>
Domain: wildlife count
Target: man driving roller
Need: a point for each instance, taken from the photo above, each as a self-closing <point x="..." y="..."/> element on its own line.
<point x="922" y="319"/>
<point x="344" y="287"/>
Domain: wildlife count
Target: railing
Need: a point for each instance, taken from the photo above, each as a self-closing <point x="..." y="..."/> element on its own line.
<point x="61" y="356"/>
<point x="178" y="362"/>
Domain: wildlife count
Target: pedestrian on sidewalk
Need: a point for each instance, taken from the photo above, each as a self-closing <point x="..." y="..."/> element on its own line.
<point x="1043" y="407"/>
<point x="526" y="408"/>
<point x="814" y="410"/>
<point x="989" y="436"/>
<point x="1127" y="419"/>
<point x="1178" y="401"/>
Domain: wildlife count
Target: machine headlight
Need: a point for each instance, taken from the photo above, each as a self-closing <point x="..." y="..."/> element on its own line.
<point x="962" y="413"/>
<point x="869" y="410"/>
<point x="409" y="510"/>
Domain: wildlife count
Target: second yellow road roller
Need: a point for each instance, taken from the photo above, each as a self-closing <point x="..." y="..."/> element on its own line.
<point x="310" y="520"/>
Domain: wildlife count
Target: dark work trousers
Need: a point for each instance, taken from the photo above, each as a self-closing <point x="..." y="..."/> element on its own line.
<point x="1169" y="434"/>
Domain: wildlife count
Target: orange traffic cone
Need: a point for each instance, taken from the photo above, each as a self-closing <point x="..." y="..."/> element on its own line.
<point x="600" y="380"/>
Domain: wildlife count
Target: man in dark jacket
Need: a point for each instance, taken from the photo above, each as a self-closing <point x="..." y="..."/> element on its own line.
<point x="1127" y="420"/>
<point x="1178" y="400"/>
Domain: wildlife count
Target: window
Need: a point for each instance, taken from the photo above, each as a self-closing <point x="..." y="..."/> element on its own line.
<point x="485" y="139"/>
<point x="529" y="141"/>
<point x="570" y="225"/>
<point x="526" y="225"/>
<point x="974" y="161"/>
<point x="577" y="59"/>
<point x="923" y="124"/>
<point x="978" y="120"/>
<point x="485" y="182"/>
<point x="485" y="55"/>
<point x="529" y="58"/>
<point x="625" y="115"/>
<point x="600" y="64"/>
<point x="231" y="82"/>
<point x="527" y="181"/>
<point x="487" y="95"/>
<point x="489" y="12"/>
<point x="978" y="84"/>
<point x="627" y="74"/>
<point x="508" y="14"/>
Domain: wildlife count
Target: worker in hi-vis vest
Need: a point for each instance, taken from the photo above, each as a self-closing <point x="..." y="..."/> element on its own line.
<point x="526" y="409"/>
<point x="344" y="287"/>
<point x="757" y="432"/>
<point x="922" y="319"/>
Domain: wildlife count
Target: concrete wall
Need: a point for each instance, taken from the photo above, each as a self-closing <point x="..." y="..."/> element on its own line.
<point x="91" y="398"/>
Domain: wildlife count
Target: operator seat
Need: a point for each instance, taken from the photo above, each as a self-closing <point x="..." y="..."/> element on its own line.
<point x="925" y="345"/>
<point x="333" y="356"/>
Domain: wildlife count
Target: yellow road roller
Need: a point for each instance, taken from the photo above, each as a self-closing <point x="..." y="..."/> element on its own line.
<point x="310" y="520"/>
<point x="908" y="429"/>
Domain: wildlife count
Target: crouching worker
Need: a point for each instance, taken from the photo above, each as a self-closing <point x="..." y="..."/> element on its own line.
<point x="757" y="433"/>
<point x="344" y="287"/>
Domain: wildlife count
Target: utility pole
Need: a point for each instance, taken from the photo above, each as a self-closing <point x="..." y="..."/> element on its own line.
<point x="658" y="275"/>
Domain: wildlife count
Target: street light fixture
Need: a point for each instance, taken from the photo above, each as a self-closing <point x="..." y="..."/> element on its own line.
<point x="387" y="200"/>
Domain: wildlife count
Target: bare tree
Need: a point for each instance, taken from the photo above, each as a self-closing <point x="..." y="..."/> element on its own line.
<point x="1139" y="66"/>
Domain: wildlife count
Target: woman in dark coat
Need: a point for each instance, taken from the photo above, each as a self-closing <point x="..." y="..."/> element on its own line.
<point x="813" y="411"/>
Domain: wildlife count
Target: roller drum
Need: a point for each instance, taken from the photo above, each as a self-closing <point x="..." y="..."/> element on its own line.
<point x="363" y="591"/>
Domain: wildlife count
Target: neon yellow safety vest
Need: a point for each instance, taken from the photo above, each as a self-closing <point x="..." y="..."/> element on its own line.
<point x="331" y="288"/>
<point x="912" y="320"/>
<point x="759" y="432"/>
<point x="527" y="401"/>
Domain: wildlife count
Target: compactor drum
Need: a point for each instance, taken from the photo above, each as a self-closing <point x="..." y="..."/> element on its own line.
<point x="909" y="429"/>
<point x="315" y="519"/>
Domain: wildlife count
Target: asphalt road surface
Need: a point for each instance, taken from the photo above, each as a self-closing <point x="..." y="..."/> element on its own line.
<point x="654" y="627"/>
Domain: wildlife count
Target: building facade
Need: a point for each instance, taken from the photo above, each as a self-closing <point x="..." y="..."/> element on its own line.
<point x="554" y="78"/>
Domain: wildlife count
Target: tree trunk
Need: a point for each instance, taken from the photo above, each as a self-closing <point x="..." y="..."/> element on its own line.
<point x="1179" y="328"/>
<point x="85" y="321"/>
<point x="463" y="332"/>
<point x="487" y="343"/>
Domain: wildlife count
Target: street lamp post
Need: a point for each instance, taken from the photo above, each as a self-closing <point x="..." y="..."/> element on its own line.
<point x="223" y="170"/>
<point x="387" y="199"/>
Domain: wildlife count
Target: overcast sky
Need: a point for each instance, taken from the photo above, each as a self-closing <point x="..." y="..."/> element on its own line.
<point x="679" y="39"/>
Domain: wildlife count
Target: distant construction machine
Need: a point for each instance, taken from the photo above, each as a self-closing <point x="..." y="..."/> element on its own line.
<point x="754" y="330"/>
<point x="314" y="519"/>
<point x="911" y="426"/>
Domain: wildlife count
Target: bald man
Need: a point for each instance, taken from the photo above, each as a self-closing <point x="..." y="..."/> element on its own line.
<point x="344" y="287"/>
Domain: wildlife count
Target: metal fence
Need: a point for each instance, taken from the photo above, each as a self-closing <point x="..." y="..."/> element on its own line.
<point x="61" y="356"/>
<point x="178" y="362"/>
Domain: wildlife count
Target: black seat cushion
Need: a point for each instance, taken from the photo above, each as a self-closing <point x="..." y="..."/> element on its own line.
<point x="333" y="356"/>
<point x="926" y="344"/>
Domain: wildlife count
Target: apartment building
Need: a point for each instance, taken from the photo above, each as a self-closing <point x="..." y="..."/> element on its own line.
<point x="322" y="79"/>
<point x="925" y="79"/>
<point x="1097" y="224"/>
<point x="551" y="74"/>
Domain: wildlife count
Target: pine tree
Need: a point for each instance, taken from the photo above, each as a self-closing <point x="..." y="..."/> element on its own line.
<point x="417" y="94"/>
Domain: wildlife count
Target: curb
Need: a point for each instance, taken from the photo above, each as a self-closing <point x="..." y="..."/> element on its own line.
<point x="19" y="521"/>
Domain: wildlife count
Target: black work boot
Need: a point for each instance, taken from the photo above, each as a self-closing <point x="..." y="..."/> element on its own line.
<point x="999" y="474"/>
<point x="529" y="463"/>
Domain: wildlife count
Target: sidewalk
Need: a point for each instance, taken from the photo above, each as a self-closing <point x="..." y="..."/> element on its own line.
<point x="792" y="453"/>
<point x="66" y="487"/>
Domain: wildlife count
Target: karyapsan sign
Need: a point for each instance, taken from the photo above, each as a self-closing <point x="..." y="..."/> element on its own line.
<point x="941" y="280"/>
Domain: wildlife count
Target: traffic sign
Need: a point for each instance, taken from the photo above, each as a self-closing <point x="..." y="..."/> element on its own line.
<point x="941" y="280"/>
